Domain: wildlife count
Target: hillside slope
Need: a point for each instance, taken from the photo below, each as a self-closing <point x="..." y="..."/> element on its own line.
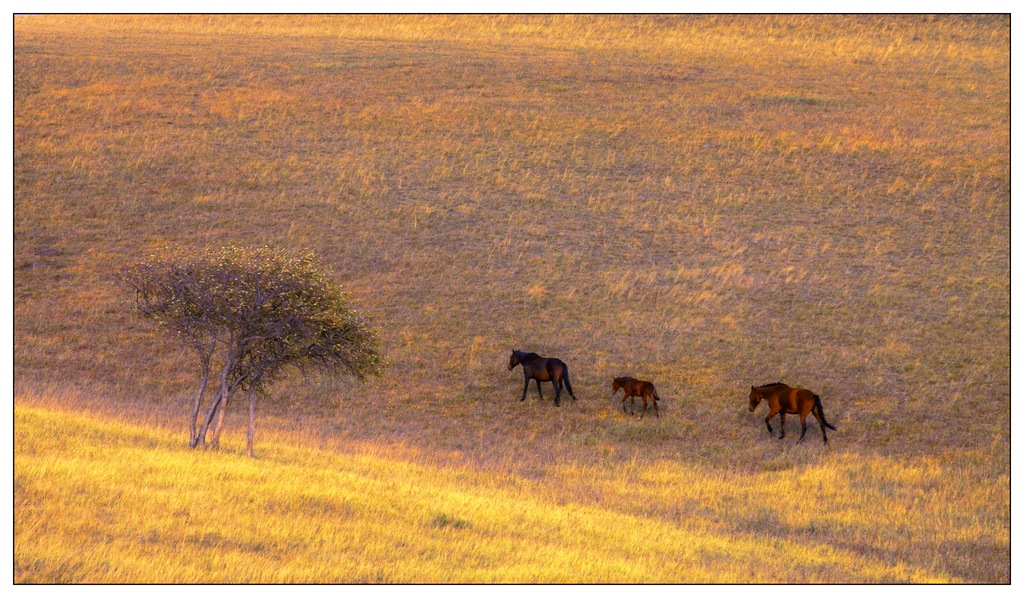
<point x="103" y="502"/>
<point x="710" y="203"/>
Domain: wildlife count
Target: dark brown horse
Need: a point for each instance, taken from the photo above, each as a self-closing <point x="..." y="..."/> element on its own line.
<point x="542" y="369"/>
<point x="632" y="388"/>
<point x="783" y="399"/>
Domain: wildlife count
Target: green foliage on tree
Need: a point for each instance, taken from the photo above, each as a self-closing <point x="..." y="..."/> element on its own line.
<point x="253" y="316"/>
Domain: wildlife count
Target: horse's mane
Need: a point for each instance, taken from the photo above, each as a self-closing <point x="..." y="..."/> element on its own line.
<point x="525" y="354"/>
<point x="771" y="384"/>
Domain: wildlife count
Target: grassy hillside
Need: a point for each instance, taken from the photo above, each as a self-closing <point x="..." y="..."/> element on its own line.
<point x="152" y="511"/>
<point x="708" y="203"/>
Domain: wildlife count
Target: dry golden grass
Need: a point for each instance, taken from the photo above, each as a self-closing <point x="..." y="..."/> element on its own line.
<point x="100" y="502"/>
<point x="708" y="203"/>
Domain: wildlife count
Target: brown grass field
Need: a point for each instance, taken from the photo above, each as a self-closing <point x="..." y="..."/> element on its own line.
<point x="706" y="202"/>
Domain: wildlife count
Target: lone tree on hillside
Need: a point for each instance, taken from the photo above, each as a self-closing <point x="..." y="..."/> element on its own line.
<point x="251" y="316"/>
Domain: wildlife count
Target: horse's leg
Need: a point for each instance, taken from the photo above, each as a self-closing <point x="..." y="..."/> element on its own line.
<point x="803" y="427"/>
<point x="538" y="389"/>
<point x="644" y="412"/>
<point x="624" y="397"/>
<point x="656" y="412"/>
<point x="525" y="388"/>
<point x="782" y="425"/>
<point x="771" y="414"/>
<point x="558" y="391"/>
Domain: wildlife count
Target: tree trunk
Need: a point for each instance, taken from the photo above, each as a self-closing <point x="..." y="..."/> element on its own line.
<point x="252" y="419"/>
<point x="217" y="400"/>
<point x="198" y="402"/>
<point x="201" y="435"/>
<point x="219" y="425"/>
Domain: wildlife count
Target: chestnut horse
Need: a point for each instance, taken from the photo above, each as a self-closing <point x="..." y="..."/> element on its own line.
<point x="632" y="388"/>
<point x="542" y="369"/>
<point x="783" y="399"/>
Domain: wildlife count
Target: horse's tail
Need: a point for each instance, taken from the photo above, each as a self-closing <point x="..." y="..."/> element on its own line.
<point x="821" y="412"/>
<point x="654" y="391"/>
<point x="565" y="377"/>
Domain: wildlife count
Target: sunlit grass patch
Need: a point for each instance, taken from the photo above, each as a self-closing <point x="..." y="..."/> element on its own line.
<point x="105" y="509"/>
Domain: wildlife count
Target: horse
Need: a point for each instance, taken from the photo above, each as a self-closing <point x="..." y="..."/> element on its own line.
<point x="783" y="399"/>
<point x="632" y="388"/>
<point x="542" y="369"/>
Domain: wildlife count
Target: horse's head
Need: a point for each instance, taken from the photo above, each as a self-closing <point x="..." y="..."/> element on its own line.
<point x="514" y="360"/>
<point x="616" y="385"/>
<point x="755" y="398"/>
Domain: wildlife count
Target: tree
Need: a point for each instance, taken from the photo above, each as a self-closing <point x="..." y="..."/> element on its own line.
<point x="257" y="315"/>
